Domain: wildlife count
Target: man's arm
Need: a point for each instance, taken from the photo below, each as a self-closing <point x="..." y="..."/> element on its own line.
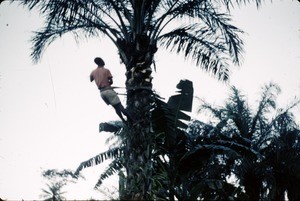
<point x="110" y="80"/>
<point x="109" y="77"/>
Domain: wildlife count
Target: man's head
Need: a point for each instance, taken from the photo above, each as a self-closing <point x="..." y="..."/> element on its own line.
<point x="99" y="61"/>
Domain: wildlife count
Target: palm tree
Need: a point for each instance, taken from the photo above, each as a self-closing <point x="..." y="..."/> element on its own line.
<point x="266" y="152"/>
<point x="197" y="29"/>
<point x="57" y="179"/>
<point x="237" y="123"/>
<point x="168" y="133"/>
<point x="53" y="192"/>
<point x="282" y="158"/>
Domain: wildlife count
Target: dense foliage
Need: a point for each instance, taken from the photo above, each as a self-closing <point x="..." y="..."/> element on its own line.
<point x="258" y="148"/>
<point x="243" y="154"/>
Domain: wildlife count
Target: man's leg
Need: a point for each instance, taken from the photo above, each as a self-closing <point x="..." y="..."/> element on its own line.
<point x="126" y="113"/>
<point x="119" y="111"/>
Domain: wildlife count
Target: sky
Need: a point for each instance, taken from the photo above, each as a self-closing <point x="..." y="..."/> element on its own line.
<point x="50" y="112"/>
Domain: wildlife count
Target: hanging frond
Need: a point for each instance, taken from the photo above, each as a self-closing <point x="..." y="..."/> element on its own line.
<point x="171" y="112"/>
<point x="212" y="41"/>
<point x="197" y="44"/>
<point x="110" y="154"/>
<point x="112" y="126"/>
<point x="239" y="148"/>
<point x="49" y="34"/>
<point x="114" y="167"/>
<point x="82" y="18"/>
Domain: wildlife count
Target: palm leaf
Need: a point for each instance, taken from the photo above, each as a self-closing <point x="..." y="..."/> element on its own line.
<point x="112" y="126"/>
<point x="114" y="167"/>
<point x="167" y="116"/>
<point x="183" y="100"/>
<point x="211" y="43"/>
<point x="196" y="43"/>
<point x="266" y="102"/>
<point x="110" y="154"/>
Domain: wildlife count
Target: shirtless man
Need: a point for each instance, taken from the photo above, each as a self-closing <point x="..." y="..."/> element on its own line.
<point x="103" y="80"/>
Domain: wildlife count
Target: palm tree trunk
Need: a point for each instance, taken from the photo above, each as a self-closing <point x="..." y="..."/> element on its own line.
<point x="252" y="189"/>
<point x="137" y="54"/>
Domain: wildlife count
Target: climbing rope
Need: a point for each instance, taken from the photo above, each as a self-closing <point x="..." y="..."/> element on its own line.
<point x="132" y="89"/>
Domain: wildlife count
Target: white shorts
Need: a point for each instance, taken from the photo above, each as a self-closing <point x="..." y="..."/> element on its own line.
<point x="110" y="97"/>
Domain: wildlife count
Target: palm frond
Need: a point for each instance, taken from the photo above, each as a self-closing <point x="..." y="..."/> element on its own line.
<point x="190" y="8"/>
<point x="199" y="45"/>
<point x="239" y="112"/>
<point x="182" y="101"/>
<point x="239" y="148"/>
<point x="229" y="33"/>
<point x="82" y="18"/>
<point x="268" y="98"/>
<point x="114" y="167"/>
<point x="171" y="112"/>
<point x="230" y="4"/>
<point x="112" y="126"/>
<point x="211" y="43"/>
<point x="46" y="36"/>
<point x="110" y="154"/>
<point x="216" y="112"/>
<point x="267" y="101"/>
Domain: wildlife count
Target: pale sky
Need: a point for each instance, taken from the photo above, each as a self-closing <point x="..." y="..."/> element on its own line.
<point x="50" y="112"/>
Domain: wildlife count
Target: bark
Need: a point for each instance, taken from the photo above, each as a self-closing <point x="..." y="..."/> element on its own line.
<point x="137" y="54"/>
<point x="252" y="188"/>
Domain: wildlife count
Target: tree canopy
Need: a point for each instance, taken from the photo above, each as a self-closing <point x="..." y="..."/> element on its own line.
<point x="196" y="29"/>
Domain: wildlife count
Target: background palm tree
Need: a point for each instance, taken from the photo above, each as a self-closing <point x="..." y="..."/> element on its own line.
<point x="197" y="29"/>
<point x="282" y="158"/>
<point x="262" y="152"/>
<point x="53" y="192"/>
<point x="56" y="181"/>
